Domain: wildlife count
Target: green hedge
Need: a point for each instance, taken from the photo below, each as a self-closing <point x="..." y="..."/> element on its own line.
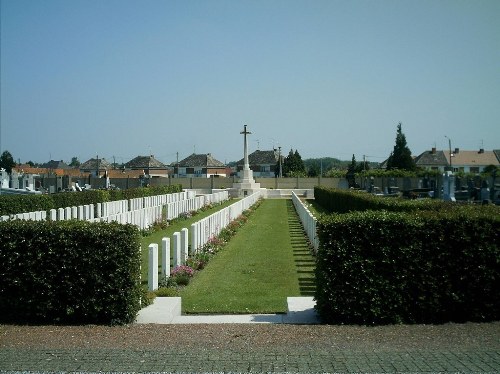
<point x="70" y="272"/>
<point x="426" y="267"/>
<point x="343" y="201"/>
<point x="13" y="204"/>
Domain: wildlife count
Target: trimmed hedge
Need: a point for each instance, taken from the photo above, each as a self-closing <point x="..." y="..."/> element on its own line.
<point x="13" y="204"/>
<point x="343" y="201"/>
<point x="426" y="267"/>
<point x="69" y="272"/>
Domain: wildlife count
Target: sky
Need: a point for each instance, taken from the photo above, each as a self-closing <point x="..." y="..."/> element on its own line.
<point x="122" y="78"/>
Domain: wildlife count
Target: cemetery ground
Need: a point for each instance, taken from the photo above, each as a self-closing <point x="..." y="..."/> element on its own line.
<point x="267" y="261"/>
<point x="257" y="348"/>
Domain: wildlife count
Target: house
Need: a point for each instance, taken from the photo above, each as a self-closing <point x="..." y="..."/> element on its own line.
<point x="149" y="165"/>
<point x="461" y="161"/>
<point x="56" y="165"/>
<point x="200" y="165"/>
<point x="262" y="163"/>
<point x="92" y="165"/>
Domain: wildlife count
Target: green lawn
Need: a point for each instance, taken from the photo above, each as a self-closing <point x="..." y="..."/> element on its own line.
<point x="157" y="236"/>
<point x="266" y="261"/>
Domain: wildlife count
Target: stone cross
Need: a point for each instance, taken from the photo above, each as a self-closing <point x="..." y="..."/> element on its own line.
<point x="246" y="165"/>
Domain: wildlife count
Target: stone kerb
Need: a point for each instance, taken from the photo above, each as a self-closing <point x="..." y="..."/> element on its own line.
<point x="308" y="221"/>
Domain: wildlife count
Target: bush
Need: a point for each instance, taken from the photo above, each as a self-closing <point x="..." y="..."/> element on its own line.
<point x="426" y="267"/>
<point x="13" y="204"/>
<point x="181" y="274"/>
<point x="166" y="292"/>
<point x="70" y="272"/>
<point x="343" y="201"/>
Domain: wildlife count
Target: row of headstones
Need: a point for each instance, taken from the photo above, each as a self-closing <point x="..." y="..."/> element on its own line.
<point x="142" y="218"/>
<point x="118" y="210"/>
<point x="175" y="209"/>
<point x="180" y="251"/>
<point x="101" y="210"/>
<point x="82" y="212"/>
<point x="307" y="219"/>
<point x="208" y="227"/>
<point x="150" y="201"/>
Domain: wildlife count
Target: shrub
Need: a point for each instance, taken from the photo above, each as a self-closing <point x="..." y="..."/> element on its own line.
<point x="69" y="272"/>
<point x="181" y="274"/>
<point x="343" y="201"/>
<point x="392" y="267"/>
<point x="166" y="292"/>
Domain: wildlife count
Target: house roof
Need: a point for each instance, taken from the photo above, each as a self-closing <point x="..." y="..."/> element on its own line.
<point x="472" y="158"/>
<point x="59" y="172"/>
<point x="116" y="173"/>
<point x="52" y="164"/>
<point x="261" y="157"/>
<point x="431" y="158"/>
<point x="460" y="158"/>
<point x="92" y="164"/>
<point x="145" y="162"/>
<point x="201" y="160"/>
<point x="497" y="154"/>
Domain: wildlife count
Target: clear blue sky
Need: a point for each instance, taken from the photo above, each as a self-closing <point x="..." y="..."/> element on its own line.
<point x="330" y="78"/>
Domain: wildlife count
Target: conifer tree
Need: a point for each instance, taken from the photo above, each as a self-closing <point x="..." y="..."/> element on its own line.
<point x="400" y="157"/>
<point x="7" y="161"/>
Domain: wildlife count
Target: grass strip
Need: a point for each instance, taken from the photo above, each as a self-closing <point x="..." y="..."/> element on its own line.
<point x="257" y="269"/>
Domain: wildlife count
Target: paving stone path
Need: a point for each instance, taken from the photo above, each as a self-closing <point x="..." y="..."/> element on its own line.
<point x="450" y="348"/>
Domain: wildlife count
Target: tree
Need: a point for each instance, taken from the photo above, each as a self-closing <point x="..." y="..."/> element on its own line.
<point x="400" y="157"/>
<point x="74" y="162"/>
<point x="7" y="161"/>
<point x="293" y="166"/>
<point x="352" y="166"/>
<point x="313" y="171"/>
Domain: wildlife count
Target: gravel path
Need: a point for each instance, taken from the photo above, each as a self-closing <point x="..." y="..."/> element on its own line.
<point x="448" y="348"/>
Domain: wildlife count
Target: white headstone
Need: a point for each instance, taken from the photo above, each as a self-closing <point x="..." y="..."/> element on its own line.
<point x="165" y="257"/>
<point x="184" y="245"/>
<point x="177" y="249"/>
<point x="153" y="267"/>
<point x="448" y="186"/>
<point x="4" y="178"/>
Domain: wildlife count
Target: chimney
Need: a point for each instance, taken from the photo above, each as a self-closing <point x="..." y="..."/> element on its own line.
<point x="433" y="151"/>
<point x="457" y="150"/>
<point x="481" y="150"/>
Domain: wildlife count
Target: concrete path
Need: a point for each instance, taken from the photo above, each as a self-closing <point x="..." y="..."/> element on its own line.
<point x="167" y="310"/>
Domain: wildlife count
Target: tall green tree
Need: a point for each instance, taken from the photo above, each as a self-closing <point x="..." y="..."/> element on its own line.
<point x="352" y="166"/>
<point x="351" y="169"/>
<point x="7" y="161"/>
<point x="293" y="166"/>
<point x="74" y="162"/>
<point x="400" y="157"/>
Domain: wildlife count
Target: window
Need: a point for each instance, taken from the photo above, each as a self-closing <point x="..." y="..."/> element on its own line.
<point x="474" y="169"/>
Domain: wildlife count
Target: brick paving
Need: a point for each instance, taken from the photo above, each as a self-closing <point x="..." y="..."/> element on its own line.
<point x="453" y="348"/>
<point x="276" y="361"/>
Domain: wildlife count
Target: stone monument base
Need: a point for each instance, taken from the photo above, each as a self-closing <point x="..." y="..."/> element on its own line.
<point x="246" y="186"/>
